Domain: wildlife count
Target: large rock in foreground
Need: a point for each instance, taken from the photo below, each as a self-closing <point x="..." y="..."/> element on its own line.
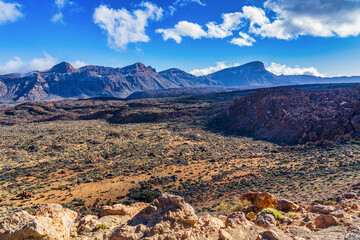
<point x="51" y="222"/>
<point x="166" y="215"/>
<point x="296" y="116"/>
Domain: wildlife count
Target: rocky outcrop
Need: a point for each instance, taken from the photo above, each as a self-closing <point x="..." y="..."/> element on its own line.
<point x="265" y="220"/>
<point x="120" y="209"/>
<point x="286" y="205"/>
<point x="261" y="200"/>
<point x="296" y="116"/>
<point x="50" y="222"/>
<point x="322" y="208"/>
<point x="170" y="217"/>
<point x="324" y="221"/>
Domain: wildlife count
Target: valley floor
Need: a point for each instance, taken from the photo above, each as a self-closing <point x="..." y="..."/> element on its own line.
<point x="86" y="164"/>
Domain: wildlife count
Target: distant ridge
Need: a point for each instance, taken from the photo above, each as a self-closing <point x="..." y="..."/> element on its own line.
<point x="64" y="81"/>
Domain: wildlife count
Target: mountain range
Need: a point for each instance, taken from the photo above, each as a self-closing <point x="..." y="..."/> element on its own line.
<point x="63" y="81"/>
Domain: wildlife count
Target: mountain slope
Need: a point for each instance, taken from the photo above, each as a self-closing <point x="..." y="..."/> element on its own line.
<point x="250" y="74"/>
<point x="65" y="81"/>
<point x="185" y="79"/>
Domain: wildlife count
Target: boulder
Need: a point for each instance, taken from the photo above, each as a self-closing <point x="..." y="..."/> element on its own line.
<point x="326" y="209"/>
<point x="120" y="209"/>
<point x="237" y="218"/>
<point x="261" y="200"/>
<point x="269" y="235"/>
<point x="265" y="220"/>
<point x="50" y="221"/>
<point x="325" y="221"/>
<point x="210" y="224"/>
<point x="286" y="205"/>
<point x="168" y="215"/>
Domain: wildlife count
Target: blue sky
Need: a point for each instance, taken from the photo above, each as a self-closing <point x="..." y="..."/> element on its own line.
<point x="319" y="37"/>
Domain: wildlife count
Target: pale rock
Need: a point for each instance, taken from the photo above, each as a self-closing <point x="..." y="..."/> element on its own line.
<point x="237" y="219"/>
<point x="265" y="220"/>
<point x="224" y="235"/>
<point x="50" y="221"/>
<point x="88" y="223"/>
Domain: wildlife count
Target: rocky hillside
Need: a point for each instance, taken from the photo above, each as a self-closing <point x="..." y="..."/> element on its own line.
<point x="185" y="79"/>
<point x="261" y="217"/>
<point x="65" y="81"/>
<point x="250" y="74"/>
<point x="296" y="116"/>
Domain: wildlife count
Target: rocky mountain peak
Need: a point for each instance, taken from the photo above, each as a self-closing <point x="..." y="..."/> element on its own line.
<point x="137" y="67"/>
<point x="63" y="67"/>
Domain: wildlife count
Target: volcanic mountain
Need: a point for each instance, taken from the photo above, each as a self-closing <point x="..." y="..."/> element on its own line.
<point x="63" y="81"/>
<point x="250" y="74"/>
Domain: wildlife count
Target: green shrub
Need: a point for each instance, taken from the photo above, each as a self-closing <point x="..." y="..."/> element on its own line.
<point x="273" y="212"/>
<point x="101" y="226"/>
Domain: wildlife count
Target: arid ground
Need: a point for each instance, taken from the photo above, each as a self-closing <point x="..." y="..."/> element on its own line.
<point x="74" y="154"/>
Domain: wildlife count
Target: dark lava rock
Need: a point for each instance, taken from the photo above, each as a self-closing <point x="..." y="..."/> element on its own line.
<point x="296" y="116"/>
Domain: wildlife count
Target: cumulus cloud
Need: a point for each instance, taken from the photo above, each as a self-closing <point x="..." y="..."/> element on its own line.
<point x="44" y="63"/>
<point x="183" y="29"/>
<point x="206" y="71"/>
<point x="231" y="22"/>
<point x="289" y="20"/>
<point x="182" y="3"/>
<point x="326" y="18"/>
<point x="9" y="12"/>
<point x="12" y="66"/>
<point x="280" y="69"/>
<point x="243" y="41"/>
<point x="16" y="65"/>
<point x="123" y="27"/>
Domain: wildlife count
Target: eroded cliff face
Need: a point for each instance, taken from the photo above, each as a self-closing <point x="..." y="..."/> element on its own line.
<point x="296" y="116"/>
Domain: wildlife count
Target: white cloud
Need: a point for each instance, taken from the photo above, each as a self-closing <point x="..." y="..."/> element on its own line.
<point x="44" y="63"/>
<point x="206" y="71"/>
<point x="60" y="3"/>
<point x="58" y="17"/>
<point x="279" y="69"/>
<point x="231" y="22"/>
<point x="290" y="19"/>
<point x="326" y="18"/>
<point x="78" y="64"/>
<point x="243" y="41"/>
<point x="183" y="29"/>
<point x="9" y="12"/>
<point x="16" y="65"/>
<point x="182" y="3"/>
<point x="123" y="27"/>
